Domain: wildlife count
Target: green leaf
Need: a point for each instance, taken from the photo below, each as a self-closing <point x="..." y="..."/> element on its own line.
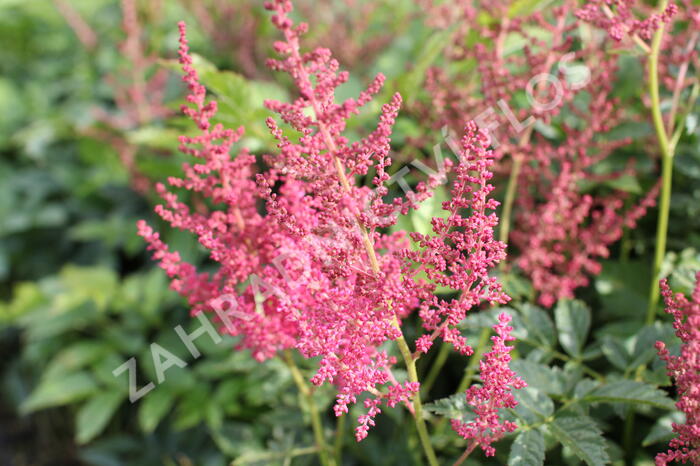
<point x="95" y="414"/>
<point x="527" y="449"/>
<point x="452" y="407"/>
<point x="190" y="410"/>
<point x="581" y="435"/>
<point x="236" y="439"/>
<point x="615" y="351"/>
<point x="662" y="430"/>
<point x="96" y="283"/>
<point x="533" y="405"/>
<point x="626" y="183"/>
<point x="629" y="391"/>
<point x="516" y="286"/>
<point x="573" y="320"/>
<point x="154" y="407"/>
<point x="538" y="324"/>
<point x="644" y="344"/>
<point x="76" y="356"/>
<point x="550" y="380"/>
<point x="621" y="286"/>
<point x="59" y="390"/>
<point x="431" y="207"/>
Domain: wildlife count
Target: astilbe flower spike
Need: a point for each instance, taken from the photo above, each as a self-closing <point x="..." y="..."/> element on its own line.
<point x="237" y="237"/>
<point x="619" y="19"/>
<point x="357" y="290"/>
<point x="560" y="233"/>
<point x="495" y="393"/>
<point x="462" y="250"/>
<point x="337" y="284"/>
<point x="685" y="371"/>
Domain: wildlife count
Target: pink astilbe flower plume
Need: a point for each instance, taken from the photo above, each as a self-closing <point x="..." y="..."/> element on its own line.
<point x="494" y="394"/>
<point x="685" y="371"/>
<point x="237" y="237"/>
<point x="559" y="232"/>
<point x="314" y="244"/>
<point x="358" y="286"/>
<point x="462" y="250"/>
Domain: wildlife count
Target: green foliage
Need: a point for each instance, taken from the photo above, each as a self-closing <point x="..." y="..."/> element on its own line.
<point x="582" y="436"/>
<point x="573" y="320"/>
<point x="528" y="449"/>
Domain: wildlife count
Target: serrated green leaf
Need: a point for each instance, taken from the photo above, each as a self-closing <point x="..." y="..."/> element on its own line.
<point x="644" y="344"/>
<point x="573" y="319"/>
<point x="453" y="406"/>
<point x="533" y="405"/>
<point x="629" y="391"/>
<point x="582" y="436"/>
<point x="585" y="386"/>
<point x="527" y="449"/>
<point x="546" y="379"/>
<point x="60" y="390"/>
<point x="538" y="324"/>
<point x="95" y="414"/>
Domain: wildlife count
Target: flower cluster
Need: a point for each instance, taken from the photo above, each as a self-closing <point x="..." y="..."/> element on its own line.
<point x="619" y="19"/>
<point x="562" y="227"/>
<point x="492" y="93"/>
<point x="679" y="51"/>
<point x="304" y="256"/>
<point x="462" y="250"/>
<point x="233" y="231"/>
<point x="685" y="371"/>
<point x="138" y="88"/>
<point x="495" y="393"/>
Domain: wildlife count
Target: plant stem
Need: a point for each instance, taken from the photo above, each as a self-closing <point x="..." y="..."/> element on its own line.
<point x="417" y="405"/>
<point x="509" y="199"/>
<point x="435" y="368"/>
<point x="316" y="424"/>
<point x="374" y="264"/>
<point x="338" y="445"/>
<point x="466" y="453"/>
<point x="666" y="167"/>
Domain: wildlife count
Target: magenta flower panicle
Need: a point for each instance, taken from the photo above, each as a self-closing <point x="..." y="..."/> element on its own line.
<point x="238" y="239"/>
<point x="685" y="372"/>
<point x="462" y="249"/>
<point x="337" y="283"/>
<point x="494" y="394"/>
